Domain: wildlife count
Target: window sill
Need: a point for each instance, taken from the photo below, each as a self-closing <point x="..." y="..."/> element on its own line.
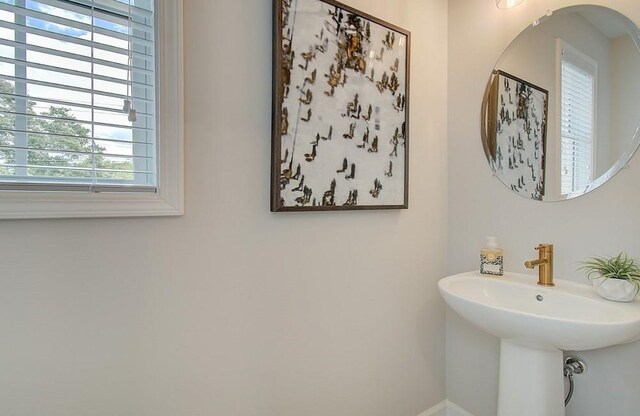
<point x="26" y="205"/>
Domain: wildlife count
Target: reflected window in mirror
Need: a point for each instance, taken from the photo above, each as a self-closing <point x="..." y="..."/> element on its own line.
<point x="578" y="74"/>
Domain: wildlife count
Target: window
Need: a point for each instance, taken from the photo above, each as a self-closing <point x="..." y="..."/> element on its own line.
<point x="577" y="114"/>
<point x="90" y="108"/>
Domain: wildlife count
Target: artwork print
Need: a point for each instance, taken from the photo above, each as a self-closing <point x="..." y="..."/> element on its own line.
<point x="518" y="128"/>
<point x="340" y="110"/>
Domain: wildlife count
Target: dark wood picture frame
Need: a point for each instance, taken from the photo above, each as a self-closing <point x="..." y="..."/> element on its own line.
<point x="340" y="115"/>
<point x="515" y="132"/>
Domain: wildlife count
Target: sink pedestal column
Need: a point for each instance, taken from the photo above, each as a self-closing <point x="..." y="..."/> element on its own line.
<point x="531" y="381"/>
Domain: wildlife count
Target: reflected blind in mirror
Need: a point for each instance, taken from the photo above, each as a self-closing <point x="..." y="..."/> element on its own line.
<point x="577" y="120"/>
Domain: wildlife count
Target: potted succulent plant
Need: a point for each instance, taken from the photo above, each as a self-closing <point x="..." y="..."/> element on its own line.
<point x="615" y="278"/>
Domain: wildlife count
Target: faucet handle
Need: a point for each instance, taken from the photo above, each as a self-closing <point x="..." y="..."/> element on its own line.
<point x="544" y="247"/>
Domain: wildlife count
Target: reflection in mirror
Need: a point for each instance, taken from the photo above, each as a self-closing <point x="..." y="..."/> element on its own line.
<point x="560" y="115"/>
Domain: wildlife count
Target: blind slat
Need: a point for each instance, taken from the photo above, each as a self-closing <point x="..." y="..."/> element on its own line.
<point x="71" y="136"/>
<point x="73" y="168"/>
<point x="8" y="184"/>
<point x="82" y="74"/>
<point x="72" y="88"/>
<point x="72" y="152"/>
<point x="111" y="10"/>
<point x="79" y="121"/>
<point x="105" y="7"/>
<point x="74" y="56"/>
<point x="74" y="104"/>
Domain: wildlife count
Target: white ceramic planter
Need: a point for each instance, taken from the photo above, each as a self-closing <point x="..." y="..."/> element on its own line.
<point x="615" y="289"/>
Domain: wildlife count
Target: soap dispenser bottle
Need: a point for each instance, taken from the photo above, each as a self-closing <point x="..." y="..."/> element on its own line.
<point x="491" y="258"/>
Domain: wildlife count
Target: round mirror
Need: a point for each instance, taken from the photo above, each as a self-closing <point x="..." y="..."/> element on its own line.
<point x="560" y="115"/>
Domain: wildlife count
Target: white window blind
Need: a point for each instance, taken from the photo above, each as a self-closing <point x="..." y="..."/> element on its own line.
<point x="77" y="95"/>
<point x="576" y="120"/>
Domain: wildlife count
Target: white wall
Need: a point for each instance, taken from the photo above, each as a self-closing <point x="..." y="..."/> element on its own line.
<point x="624" y="111"/>
<point x="602" y="222"/>
<point x="232" y="310"/>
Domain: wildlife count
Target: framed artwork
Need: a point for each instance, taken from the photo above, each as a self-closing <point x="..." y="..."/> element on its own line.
<point x="517" y="133"/>
<point x="340" y="109"/>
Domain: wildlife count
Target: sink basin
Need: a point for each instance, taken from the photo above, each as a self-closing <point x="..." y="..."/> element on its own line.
<point x="535" y="323"/>
<point x="568" y="316"/>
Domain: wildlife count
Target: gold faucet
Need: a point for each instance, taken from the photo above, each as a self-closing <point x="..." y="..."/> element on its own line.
<point x="544" y="263"/>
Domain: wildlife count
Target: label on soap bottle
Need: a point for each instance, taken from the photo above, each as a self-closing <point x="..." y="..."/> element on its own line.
<point x="491" y="262"/>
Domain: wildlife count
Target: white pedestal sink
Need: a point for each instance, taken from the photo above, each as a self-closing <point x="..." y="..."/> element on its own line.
<point x="535" y="324"/>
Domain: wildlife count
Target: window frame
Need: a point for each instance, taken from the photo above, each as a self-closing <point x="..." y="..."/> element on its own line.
<point x="168" y="200"/>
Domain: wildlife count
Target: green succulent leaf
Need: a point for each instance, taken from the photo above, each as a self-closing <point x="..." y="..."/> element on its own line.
<point x="620" y="267"/>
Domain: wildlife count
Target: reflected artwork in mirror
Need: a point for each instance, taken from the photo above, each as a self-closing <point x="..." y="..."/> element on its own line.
<point x="559" y="116"/>
<point x="516" y="133"/>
